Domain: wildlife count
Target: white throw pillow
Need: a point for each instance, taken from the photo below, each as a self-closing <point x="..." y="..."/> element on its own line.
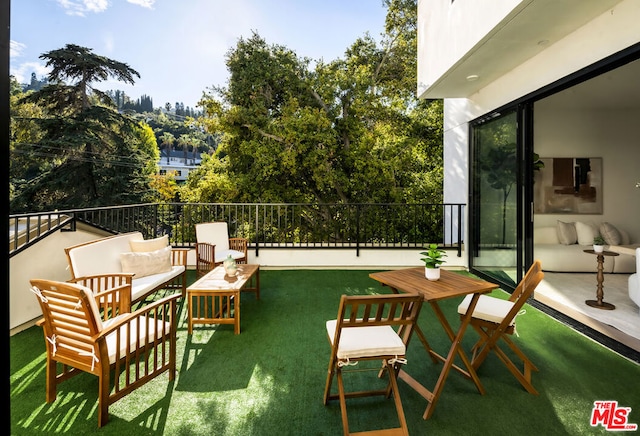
<point x="144" y="264"/>
<point x="610" y="234"/>
<point x="139" y="246"/>
<point x="566" y="233"/>
<point x="586" y="232"/>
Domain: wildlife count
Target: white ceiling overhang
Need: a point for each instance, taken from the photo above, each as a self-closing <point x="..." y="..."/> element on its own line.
<point x="523" y="34"/>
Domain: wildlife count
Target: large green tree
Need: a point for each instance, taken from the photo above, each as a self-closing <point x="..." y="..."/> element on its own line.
<point x="86" y="153"/>
<point x="350" y="130"/>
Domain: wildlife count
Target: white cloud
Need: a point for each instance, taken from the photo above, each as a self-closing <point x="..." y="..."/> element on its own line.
<point x="15" y="49"/>
<point x="80" y="7"/>
<point x="96" y="5"/>
<point x="108" y="43"/>
<point x="22" y="72"/>
<point x="143" y="3"/>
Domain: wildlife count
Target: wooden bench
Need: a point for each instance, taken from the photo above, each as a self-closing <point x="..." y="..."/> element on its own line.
<point x="98" y="265"/>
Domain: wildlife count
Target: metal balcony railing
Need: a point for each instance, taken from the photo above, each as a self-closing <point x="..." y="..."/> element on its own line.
<point x="266" y="225"/>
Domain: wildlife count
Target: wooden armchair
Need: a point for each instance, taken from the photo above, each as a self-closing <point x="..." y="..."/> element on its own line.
<point x="213" y="246"/>
<point x="98" y="334"/>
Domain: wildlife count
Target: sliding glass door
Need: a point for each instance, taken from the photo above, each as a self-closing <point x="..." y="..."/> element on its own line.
<point x="495" y="197"/>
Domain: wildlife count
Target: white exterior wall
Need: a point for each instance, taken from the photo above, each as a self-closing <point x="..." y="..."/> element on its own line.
<point x="604" y="36"/>
<point x="47" y="260"/>
<point x="473" y="20"/>
<point x="445" y="35"/>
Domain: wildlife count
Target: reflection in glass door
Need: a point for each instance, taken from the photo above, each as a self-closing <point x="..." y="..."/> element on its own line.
<point x="494" y="197"/>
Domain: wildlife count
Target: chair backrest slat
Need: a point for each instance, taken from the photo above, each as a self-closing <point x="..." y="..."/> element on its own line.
<point x="390" y="309"/>
<point x="71" y="321"/>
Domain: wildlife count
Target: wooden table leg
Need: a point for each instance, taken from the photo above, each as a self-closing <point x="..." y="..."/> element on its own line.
<point x="236" y="313"/>
<point x="448" y="362"/>
<point x="453" y="351"/>
<point x="190" y="312"/>
<point x="598" y="303"/>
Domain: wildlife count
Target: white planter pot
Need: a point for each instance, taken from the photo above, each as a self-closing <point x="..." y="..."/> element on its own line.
<point x="598" y="248"/>
<point x="432" y="273"/>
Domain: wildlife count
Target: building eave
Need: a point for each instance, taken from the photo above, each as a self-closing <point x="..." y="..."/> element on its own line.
<point x="530" y="27"/>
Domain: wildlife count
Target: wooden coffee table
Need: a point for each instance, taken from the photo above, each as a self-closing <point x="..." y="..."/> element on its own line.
<point x="210" y="298"/>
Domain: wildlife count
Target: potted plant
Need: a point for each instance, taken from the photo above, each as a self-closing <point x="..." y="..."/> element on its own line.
<point x="433" y="258"/>
<point x="598" y="244"/>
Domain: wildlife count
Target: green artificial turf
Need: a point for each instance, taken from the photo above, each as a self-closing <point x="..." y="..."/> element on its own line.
<point x="269" y="380"/>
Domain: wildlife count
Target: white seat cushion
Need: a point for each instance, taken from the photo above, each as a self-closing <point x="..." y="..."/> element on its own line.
<point x="366" y="341"/>
<point x="488" y="308"/>
<point x="142" y="285"/>
<point x="223" y="254"/>
<point x="145" y="335"/>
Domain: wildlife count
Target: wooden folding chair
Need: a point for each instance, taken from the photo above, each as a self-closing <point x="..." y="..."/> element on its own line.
<point x="371" y="327"/>
<point x="124" y="350"/>
<point x="495" y="319"/>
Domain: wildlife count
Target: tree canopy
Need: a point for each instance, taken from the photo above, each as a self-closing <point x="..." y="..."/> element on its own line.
<point x="79" y="151"/>
<point x="282" y="129"/>
<point x="349" y="130"/>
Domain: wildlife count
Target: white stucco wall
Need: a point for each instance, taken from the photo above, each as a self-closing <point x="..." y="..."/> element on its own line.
<point x="47" y="260"/>
<point x="473" y="19"/>
<point x="607" y="34"/>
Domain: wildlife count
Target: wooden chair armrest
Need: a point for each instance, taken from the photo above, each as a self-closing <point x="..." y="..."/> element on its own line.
<point x="239" y="244"/>
<point x="111" y="291"/>
<point x="204" y="248"/>
<point x="101" y="282"/>
<point x="158" y="310"/>
<point x="179" y="256"/>
<point x="205" y="257"/>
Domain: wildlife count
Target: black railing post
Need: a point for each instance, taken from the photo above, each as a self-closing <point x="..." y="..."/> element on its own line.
<point x="357" y="230"/>
<point x="460" y="221"/>
<point x="257" y="230"/>
<point x="277" y="225"/>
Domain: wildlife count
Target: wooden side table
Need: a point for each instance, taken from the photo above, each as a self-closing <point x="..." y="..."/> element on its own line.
<point x="598" y="303"/>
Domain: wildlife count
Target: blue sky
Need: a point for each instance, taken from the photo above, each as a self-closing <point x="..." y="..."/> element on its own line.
<point x="178" y="46"/>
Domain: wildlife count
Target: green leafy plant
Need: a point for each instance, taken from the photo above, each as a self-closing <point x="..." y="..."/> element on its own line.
<point x="598" y="240"/>
<point x="433" y="257"/>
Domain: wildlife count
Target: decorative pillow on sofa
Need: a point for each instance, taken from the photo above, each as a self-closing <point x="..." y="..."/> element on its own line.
<point x="610" y="234"/>
<point x="138" y="246"/>
<point x="144" y="264"/>
<point x="567" y="233"/>
<point x="586" y="232"/>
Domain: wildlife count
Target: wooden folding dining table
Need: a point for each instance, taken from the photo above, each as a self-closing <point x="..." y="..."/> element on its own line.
<point x="450" y="285"/>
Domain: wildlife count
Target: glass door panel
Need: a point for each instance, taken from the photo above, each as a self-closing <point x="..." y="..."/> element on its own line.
<point x="494" y="199"/>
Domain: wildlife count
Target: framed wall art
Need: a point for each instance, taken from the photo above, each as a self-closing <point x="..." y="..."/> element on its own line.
<point x="566" y="185"/>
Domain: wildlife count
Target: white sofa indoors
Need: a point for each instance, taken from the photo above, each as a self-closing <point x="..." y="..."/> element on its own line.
<point x="150" y="264"/>
<point x="560" y="248"/>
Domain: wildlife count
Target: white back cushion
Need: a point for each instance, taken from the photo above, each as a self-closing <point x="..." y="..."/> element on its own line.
<point x="101" y="256"/>
<point x="215" y="234"/>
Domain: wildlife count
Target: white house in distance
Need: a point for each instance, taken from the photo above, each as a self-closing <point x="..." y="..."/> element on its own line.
<point x="179" y="163"/>
<point x="528" y="79"/>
